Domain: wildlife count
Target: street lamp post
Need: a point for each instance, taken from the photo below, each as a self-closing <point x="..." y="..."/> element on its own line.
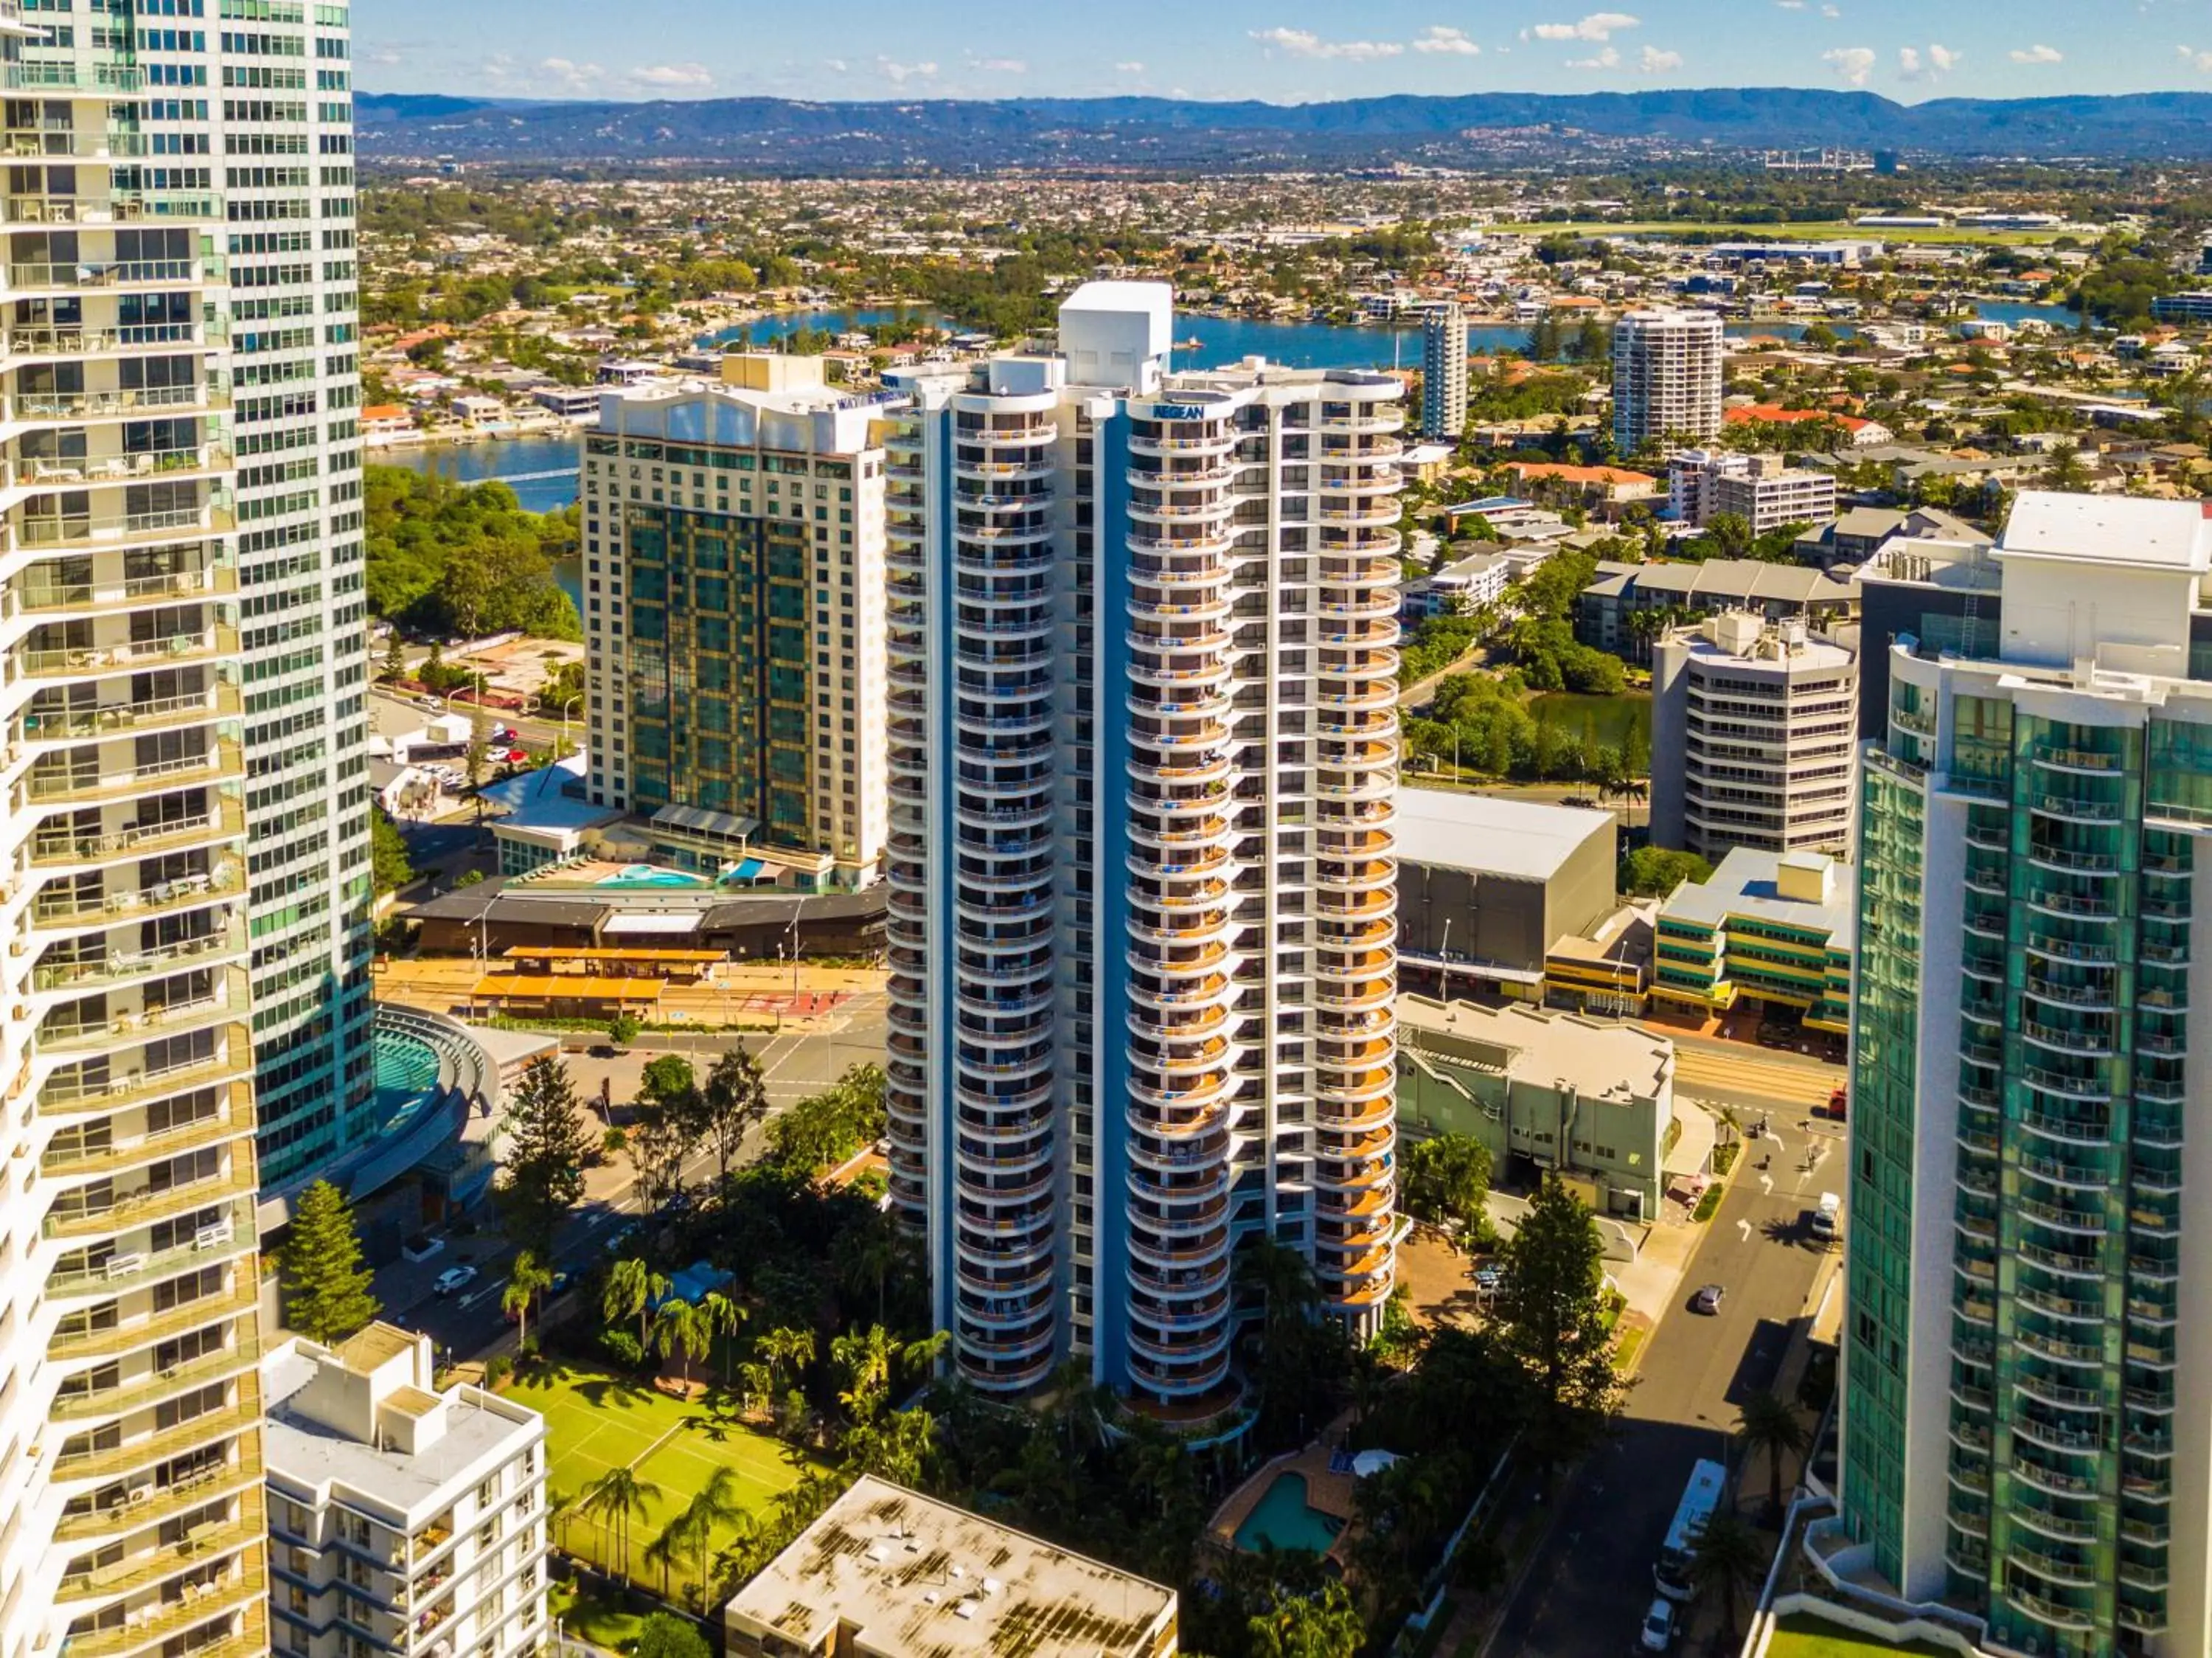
<point x="1444" y="964"/>
<point x="566" y="703"/>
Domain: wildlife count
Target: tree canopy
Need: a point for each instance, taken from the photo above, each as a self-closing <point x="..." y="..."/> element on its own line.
<point x="446" y="557"/>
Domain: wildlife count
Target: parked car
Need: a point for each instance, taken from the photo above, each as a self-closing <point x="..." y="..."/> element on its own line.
<point x="1488" y="1279"/>
<point x="1827" y="1219"/>
<point x="518" y="755"/>
<point x="1708" y="1299"/>
<point x="455" y="1278"/>
<point x="564" y="1280"/>
<point x="1658" y="1632"/>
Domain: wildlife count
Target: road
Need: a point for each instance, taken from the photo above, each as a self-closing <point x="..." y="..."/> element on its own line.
<point x="1748" y="1077"/>
<point x="1588" y="1587"/>
<point x="795" y="1067"/>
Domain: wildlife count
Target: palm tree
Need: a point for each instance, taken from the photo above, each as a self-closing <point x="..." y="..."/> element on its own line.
<point x="785" y="1346"/>
<point x="632" y="1288"/>
<point x="865" y="1358"/>
<point x="723" y="1316"/>
<point x="614" y="1499"/>
<point x="715" y="1508"/>
<point x="867" y="1255"/>
<point x="673" y="1539"/>
<point x="1281" y="1275"/>
<point x="1730" y="1558"/>
<point x="1771" y="1426"/>
<point x="678" y="1328"/>
<point x="527" y="1278"/>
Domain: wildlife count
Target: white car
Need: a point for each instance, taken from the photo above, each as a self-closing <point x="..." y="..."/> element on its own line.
<point x="1658" y="1632"/>
<point x="1828" y="1217"/>
<point x="455" y="1278"/>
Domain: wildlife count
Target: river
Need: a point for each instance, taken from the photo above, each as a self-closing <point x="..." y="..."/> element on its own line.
<point x="543" y="470"/>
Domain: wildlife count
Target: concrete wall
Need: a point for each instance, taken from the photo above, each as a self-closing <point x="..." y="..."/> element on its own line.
<point x="1670" y="701"/>
<point x="1507" y="920"/>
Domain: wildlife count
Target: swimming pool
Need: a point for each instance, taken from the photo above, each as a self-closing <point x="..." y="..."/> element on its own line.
<point x="1284" y="1520"/>
<point x="644" y="875"/>
<point x="406" y="1078"/>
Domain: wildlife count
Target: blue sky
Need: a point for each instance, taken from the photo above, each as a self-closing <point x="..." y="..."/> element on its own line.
<point x="1282" y="50"/>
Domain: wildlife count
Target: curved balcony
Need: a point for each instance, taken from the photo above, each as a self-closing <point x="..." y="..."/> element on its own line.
<point x="1183" y="440"/>
<point x="1194" y="1253"/>
<point x="1211" y="1342"/>
<point x="1149" y="1149"/>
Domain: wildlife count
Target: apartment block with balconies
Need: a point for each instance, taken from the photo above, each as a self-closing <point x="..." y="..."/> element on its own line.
<point x="1143" y="652"/>
<point x="402" y="1520"/>
<point x="2027" y="1340"/>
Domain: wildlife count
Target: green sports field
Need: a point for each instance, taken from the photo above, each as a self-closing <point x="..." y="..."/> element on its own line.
<point x="595" y="1422"/>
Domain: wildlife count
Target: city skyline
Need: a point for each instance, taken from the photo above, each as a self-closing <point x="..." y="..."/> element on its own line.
<point x="1289" y="53"/>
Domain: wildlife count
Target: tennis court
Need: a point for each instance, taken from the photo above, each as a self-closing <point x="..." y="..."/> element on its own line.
<point x="595" y="1422"/>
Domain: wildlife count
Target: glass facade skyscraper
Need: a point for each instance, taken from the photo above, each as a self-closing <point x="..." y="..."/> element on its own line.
<point x="2028" y="1348"/>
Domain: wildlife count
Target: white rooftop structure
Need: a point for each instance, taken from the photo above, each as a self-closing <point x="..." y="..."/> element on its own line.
<point x="2116" y="529"/>
<point x="1523" y="839"/>
<point x="889" y="1573"/>
<point x="1601" y="1058"/>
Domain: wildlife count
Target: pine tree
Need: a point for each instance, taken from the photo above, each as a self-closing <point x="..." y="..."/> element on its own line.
<point x="324" y="1282"/>
<point x="547" y="1143"/>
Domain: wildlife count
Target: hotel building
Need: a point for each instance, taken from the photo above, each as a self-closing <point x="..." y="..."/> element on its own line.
<point x="734" y="617"/>
<point x="1443" y="374"/>
<point x="1144" y="747"/>
<point x="2027" y="1348"/>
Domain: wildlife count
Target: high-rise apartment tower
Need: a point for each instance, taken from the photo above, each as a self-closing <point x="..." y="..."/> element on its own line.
<point x="180" y="591"/>
<point x="1144" y="744"/>
<point x="1443" y="374"/>
<point x="2027" y="1346"/>
<point x="1666" y="378"/>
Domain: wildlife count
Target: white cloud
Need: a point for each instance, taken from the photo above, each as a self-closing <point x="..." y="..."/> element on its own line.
<point x="1439" y="38"/>
<point x="384" y="57"/>
<point x="899" y="74"/>
<point x="2039" y="53"/>
<point x="2199" y="61"/>
<point x="1829" y="11"/>
<point x="1598" y="26"/>
<point x="571" y="76"/>
<point x="499" y="66"/>
<point x="1653" y="61"/>
<point x="1304" y="43"/>
<point x="1942" y="58"/>
<point x="1908" y="62"/>
<point x="1606" y="57"/>
<point x="999" y="65"/>
<point x="1132" y="67"/>
<point x="835" y="65"/>
<point x="1790" y="5"/>
<point x="1854" y="64"/>
<point x="673" y="77"/>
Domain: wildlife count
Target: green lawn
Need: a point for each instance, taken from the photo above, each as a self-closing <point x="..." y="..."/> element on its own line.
<point x="595" y="1421"/>
<point x="1802" y="1637"/>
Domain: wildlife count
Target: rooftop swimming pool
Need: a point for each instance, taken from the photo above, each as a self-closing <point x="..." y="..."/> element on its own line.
<point x="645" y="875"/>
<point x="1282" y="1520"/>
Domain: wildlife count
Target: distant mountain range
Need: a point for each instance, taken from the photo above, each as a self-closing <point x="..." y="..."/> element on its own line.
<point x="776" y="135"/>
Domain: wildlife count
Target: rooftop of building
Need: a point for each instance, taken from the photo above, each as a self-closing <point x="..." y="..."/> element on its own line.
<point x="1809" y="890"/>
<point x="1745" y="639"/>
<point x="1526" y="841"/>
<point x="1600" y="1059"/>
<point x="912" y="1577"/>
<point x="2110" y="529"/>
<point x="362" y="1420"/>
<point x="1735" y="578"/>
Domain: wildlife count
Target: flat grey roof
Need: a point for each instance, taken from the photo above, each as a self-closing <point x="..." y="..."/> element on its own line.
<point x="302" y="1452"/>
<point x="910" y="1576"/>
<point x="1744" y="885"/>
<point x="1601" y="1059"/>
<point x="1525" y="839"/>
<point x="1745" y="578"/>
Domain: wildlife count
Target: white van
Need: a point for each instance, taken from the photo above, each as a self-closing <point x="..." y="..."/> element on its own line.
<point x="1827" y="1218"/>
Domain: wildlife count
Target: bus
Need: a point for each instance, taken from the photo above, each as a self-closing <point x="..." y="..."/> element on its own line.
<point x="1671" y="1576"/>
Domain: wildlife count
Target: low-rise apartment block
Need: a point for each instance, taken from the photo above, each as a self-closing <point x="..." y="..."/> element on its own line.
<point x="402" y="1520"/>
<point x="1630" y="604"/>
<point x="1762" y="489"/>
<point x="889" y="1573"/>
